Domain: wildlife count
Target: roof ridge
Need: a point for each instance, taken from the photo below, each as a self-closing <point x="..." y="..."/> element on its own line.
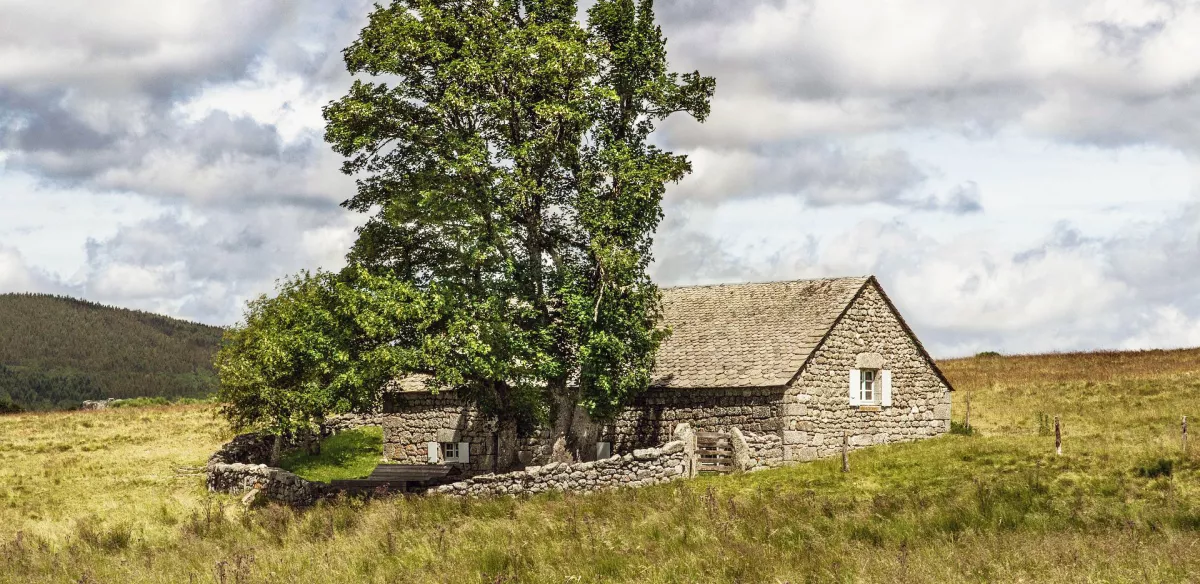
<point x="802" y="280"/>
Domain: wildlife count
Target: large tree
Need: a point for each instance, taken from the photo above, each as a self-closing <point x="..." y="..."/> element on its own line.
<point x="502" y="150"/>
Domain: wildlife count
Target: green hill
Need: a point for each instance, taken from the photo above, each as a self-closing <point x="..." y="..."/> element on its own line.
<point x="56" y="352"/>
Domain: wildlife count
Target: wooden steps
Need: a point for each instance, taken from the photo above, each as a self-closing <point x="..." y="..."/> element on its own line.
<point x="714" y="452"/>
<point x="399" y="478"/>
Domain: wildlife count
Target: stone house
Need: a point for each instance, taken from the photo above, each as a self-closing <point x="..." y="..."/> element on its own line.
<point x="781" y="368"/>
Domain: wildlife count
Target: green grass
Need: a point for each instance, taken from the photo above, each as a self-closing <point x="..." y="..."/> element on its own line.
<point x="145" y="402"/>
<point x="346" y="455"/>
<point x="111" y="496"/>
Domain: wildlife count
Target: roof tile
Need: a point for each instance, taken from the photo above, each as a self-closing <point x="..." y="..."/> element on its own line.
<point x="746" y="335"/>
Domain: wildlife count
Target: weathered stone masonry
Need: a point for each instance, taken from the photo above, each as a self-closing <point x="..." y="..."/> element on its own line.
<point x="816" y="410"/>
<point x="639" y="468"/>
<point x="240" y="466"/>
<point x="768" y="364"/>
<point x="653" y="418"/>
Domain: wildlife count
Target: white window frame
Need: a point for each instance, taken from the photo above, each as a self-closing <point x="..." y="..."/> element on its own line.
<point x="439" y="452"/>
<point x="880" y="384"/>
<point x="868" y="390"/>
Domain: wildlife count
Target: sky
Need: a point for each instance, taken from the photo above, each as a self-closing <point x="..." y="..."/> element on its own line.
<point x="1021" y="176"/>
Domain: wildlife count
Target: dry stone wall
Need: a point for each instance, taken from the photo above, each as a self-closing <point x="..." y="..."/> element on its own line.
<point x="240" y="467"/>
<point x="757" y="451"/>
<point x="646" y="466"/>
<point x="653" y="417"/>
<point x="817" y="410"/>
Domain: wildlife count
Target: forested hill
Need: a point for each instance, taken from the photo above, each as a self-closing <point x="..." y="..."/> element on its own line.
<point x="56" y="352"/>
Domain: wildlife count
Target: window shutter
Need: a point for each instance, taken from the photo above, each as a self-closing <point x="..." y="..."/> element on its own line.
<point x="885" y="383"/>
<point x="464" y="452"/>
<point x="433" y="452"/>
<point x="854" y="386"/>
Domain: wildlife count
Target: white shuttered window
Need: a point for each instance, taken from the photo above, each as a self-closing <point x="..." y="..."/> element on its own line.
<point x="869" y="387"/>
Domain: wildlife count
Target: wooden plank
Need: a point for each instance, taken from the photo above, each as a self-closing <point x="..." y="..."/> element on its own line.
<point x="407" y="473"/>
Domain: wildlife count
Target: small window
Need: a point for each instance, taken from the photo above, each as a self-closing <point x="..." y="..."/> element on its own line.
<point x="868" y="392"/>
<point x="450" y="451"/>
<point x="603" y="450"/>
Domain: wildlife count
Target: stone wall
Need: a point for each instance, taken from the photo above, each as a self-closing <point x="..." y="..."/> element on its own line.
<point x="817" y="410"/>
<point x="240" y="466"/>
<point x="756" y="451"/>
<point x="413" y="419"/>
<point x="639" y="468"/>
<point x="653" y="417"/>
<point x="342" y="422"/>
<point x="275" y="484"/>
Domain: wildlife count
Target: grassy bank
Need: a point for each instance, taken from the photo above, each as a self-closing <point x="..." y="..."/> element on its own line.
<point x="110" y="496"/>
<point x="352" y="454"/>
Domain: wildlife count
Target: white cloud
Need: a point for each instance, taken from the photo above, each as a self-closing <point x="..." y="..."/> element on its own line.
<point x="934" y="143"/>
<point x="15" y="276"/>
<point x="964" y="294"/>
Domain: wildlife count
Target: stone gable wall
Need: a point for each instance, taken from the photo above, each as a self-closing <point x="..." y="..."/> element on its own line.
<point x="816" y="410"/>
<point x="411" y="420"/>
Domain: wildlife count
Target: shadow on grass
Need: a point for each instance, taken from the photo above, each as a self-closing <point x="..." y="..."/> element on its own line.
<point x="351" y="454"/>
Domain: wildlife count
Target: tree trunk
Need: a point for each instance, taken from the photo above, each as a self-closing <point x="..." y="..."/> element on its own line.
<point x="276" y="450"/>
<point x="564" y="447"/>
<point x="506" y="445"/>
<point x="314" y="445"/>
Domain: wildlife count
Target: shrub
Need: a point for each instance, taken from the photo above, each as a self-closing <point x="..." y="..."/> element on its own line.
<point x="962" y="429"/>
<point x="986" y="354"/>
<point x="1159" y="467"/>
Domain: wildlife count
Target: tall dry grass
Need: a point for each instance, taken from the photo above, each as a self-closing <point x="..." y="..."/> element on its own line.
<point x="100" y="497"/>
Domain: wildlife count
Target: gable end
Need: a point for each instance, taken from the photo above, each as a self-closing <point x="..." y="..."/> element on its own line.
<point x="871" y="281"/>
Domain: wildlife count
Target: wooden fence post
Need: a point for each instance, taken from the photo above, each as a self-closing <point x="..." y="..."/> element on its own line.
<point x="1185" y="434"/>
<point x="845" y="452"/>
<point x="1057" y="437"/>
<point x="967" y="421"/>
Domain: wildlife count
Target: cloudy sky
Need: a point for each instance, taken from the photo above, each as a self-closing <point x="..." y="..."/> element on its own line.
<point x="1022" y="176"/>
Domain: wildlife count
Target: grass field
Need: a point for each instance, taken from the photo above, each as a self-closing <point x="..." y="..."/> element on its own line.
<point x="113" y="496"/>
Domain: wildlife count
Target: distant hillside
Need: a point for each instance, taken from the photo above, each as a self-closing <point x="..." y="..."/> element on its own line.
<point x="56" y="352"/>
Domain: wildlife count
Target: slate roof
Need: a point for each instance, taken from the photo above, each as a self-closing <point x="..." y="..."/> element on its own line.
<point x="747" y="335"/>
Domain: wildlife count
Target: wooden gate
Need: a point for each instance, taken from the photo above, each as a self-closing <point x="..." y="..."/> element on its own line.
<point x="714" y="452"/>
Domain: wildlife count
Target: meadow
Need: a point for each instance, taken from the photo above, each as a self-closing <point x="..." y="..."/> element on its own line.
<point x="116" y="496"/>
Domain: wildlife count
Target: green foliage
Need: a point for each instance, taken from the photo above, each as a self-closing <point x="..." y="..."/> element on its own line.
<point x="986" y="354"/>
<point x="7" y="406"/>
<point x="56" y="352"/>
<point x="36" y="390"/>
<point x="325" y="344"/>
<point x="511" y="182"/>
<point x="351" y="454"/>
<point x="1045" y="424"/>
